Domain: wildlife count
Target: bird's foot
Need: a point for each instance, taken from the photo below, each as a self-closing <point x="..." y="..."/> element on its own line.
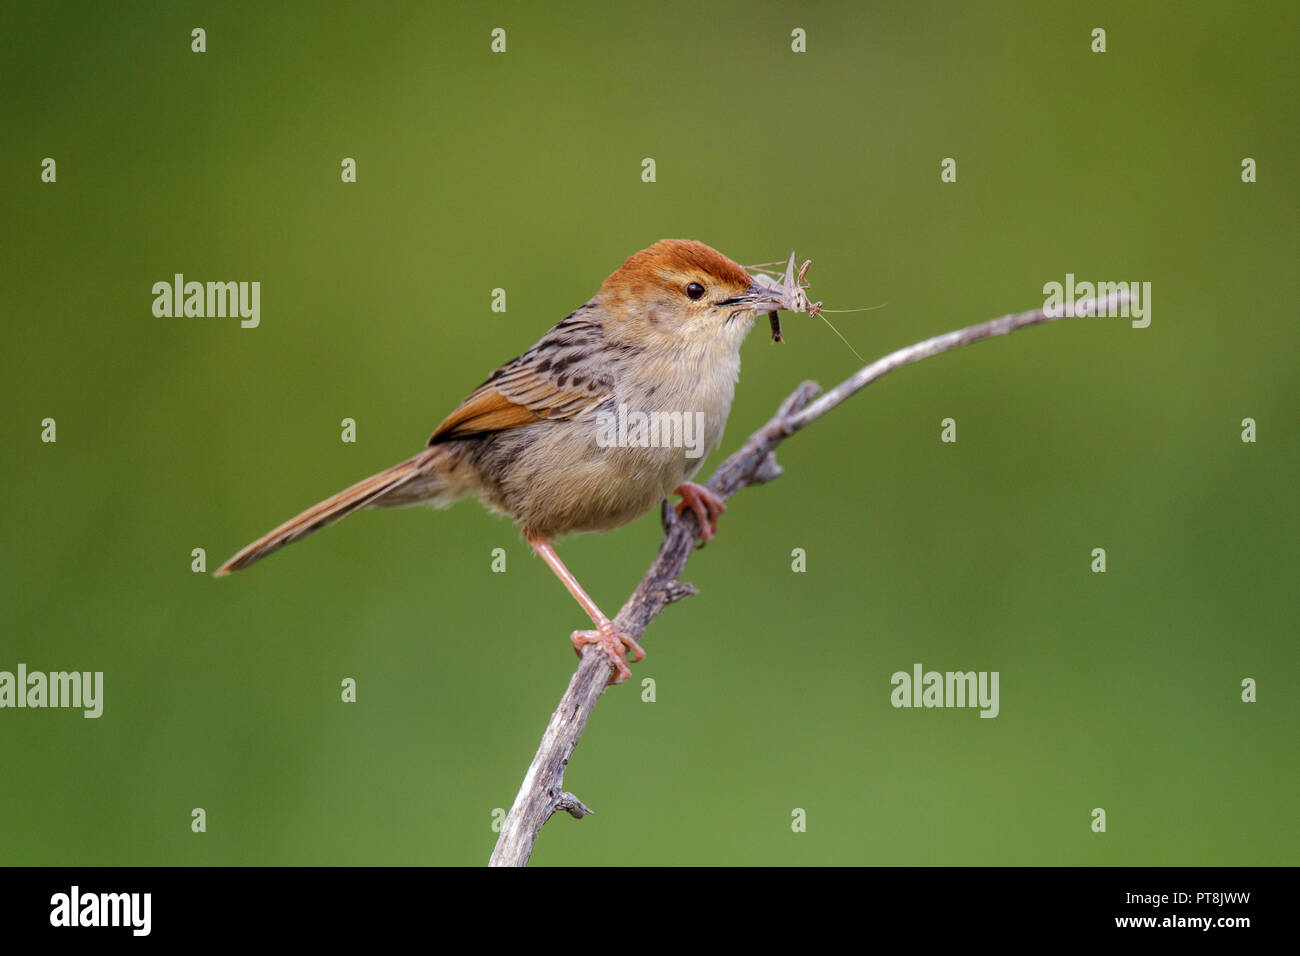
<point x="706" y="505"/>
<point x="615" y="645"/>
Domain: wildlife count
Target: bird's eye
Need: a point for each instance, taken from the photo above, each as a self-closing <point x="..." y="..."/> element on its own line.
<point x="694" y="290"/>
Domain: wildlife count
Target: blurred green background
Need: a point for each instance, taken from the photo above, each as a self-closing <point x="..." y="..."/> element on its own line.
<point x="522" y="171"/>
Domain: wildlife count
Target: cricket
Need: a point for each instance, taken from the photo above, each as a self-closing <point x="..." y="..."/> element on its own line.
<point x="790" y="287"/>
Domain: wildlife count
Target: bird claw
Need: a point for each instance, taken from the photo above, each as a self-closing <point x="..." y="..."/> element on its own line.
<point x="707" y="506"/>
<point x="614" y="643"/>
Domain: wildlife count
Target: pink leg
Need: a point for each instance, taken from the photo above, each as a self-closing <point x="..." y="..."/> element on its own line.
<point x="706" y="505"/>
<point x="606" y="635"/>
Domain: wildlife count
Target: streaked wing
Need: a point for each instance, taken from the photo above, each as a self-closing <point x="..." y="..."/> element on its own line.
<point x="560" y="377"/>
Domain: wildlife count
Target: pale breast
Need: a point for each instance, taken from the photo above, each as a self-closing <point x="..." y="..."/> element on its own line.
<point x="612" y="465"/>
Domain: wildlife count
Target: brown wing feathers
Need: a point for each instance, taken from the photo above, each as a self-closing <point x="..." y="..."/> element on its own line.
<point x="543" y="383"/>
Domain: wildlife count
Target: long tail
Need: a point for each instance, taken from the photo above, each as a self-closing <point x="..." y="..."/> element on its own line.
<point x="360" y="495"/>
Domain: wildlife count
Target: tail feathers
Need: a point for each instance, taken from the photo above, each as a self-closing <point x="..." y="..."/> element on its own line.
<point x="360" y="495"/>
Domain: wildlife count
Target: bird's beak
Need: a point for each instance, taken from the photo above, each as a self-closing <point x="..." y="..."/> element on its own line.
<point x="756" y="297"/>
<point x="763" y="299"/>
<point x="767" y="295"/>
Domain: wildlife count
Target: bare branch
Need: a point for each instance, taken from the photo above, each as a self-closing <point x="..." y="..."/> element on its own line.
<point x="542" y="793"/>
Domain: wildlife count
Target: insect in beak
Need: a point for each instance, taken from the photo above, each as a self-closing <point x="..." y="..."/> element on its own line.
<point x="786" y="294"/>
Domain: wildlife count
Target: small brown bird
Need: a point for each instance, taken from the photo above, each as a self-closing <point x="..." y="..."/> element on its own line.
<point x="592" y="426"/>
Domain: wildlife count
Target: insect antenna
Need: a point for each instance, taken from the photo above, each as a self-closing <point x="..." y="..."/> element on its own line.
<point x="869" y="308"/>
<point x="837" y="331"/>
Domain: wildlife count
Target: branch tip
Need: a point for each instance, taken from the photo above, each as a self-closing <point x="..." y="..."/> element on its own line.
<point x="799" y="399"/>
<point x="572" y="806"/>
<point x="767" y="470"/>
<point x="675" y="591"/>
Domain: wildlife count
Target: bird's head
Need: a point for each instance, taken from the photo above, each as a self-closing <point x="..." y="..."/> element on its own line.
<point x="682" y="293"/>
